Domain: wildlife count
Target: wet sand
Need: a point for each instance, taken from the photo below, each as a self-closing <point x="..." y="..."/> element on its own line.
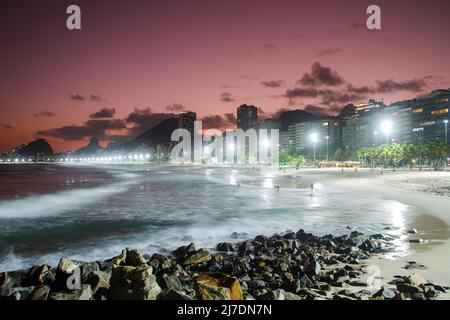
<point x="426" y="191"/>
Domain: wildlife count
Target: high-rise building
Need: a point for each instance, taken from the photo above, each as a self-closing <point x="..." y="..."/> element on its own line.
<point x="360" y="129"/>
<point x="186" y="121"/>
<point x="428" y="115"/>
<point x="247" y="117"/>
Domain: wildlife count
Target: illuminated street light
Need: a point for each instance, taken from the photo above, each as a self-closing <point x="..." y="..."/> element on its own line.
<point x="265" y="143"/>
<point x="386" y="127"/>
<point x="314" y="138"/>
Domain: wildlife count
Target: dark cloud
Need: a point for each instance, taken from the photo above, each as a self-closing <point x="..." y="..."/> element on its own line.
<point x="273" y="83"/>
<point x="213" y="122"/>
<point x="220" y="122"/>
<point x="91" y="128"/>
<point x="322" y="111"/>
<point x="176" y="107"/>
<point x="103" y="113"/>
<point x="7" y="126"/>
<point x="77" y="97"/>
<point x="106" y="124"/>
<point x="321" y="75"/>
<point x="302" y="93"/>
<point x="92" y="97"/>
<point x="227" y="97"/>
<point x="96" y="98"/>
<point x="230" y="118"/>
<point x="329" y="52"/>
<point x="71" y="133"/>
<point x="143" y="119"/>
<point x="327" y="96"/>
<point x="388" y="86"/>
<point x="361" y="90"/>
<point x="44" y="114"/>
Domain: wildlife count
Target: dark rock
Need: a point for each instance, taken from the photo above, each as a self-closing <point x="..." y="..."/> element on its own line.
<point x="202" y="255"/>
<point x="314" y="268"/>
<point x="99" y="280"/>
<point x="407" y="288"/>
<point x="22" y="293"/>
<point x="171" y="282"/>
<point x="7" y="282"/>
<point x="418" y="296"/>
<point x="40" y="293"/>
<point x="176" y="295"/>
<point x="87" y="269"/>
<point x="225" y="247"/>
<point x="358" y="283"/>
<point x="184" y="251"/>
<point x="133" y="283"/>
<point x="85" y="293"/>
<point x="411" y="265"/>
<point x="386" y="293"/>
<point x="40" y="275"/>
<point x="420" y="241"/>
<point x="277" y="294"/>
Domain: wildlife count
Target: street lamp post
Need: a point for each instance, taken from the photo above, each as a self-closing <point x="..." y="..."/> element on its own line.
<point x="328" y="138"/>
<point x="314" y="140"/>
<point x="446" y="124"/>
<point x="386" y="127"/>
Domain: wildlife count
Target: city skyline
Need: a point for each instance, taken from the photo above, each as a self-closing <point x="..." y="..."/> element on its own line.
<point x="114" y="79"/>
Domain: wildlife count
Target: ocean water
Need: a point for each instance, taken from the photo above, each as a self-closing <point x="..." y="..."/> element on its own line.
<point x="92" y="213"/>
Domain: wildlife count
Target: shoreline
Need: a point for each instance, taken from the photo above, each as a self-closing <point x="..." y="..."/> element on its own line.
<point x="290" y="266"/>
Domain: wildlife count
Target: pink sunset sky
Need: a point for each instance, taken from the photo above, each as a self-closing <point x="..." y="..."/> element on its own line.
<point x="139" y="62"/>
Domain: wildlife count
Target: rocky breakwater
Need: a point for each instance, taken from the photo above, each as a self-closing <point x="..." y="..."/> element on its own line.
<point x="292" y="266"/>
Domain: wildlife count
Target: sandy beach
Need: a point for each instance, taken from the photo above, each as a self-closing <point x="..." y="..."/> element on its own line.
<point x="429" y="192"/>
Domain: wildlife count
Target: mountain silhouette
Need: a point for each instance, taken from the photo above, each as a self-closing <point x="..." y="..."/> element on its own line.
<point x="160" y="133"/>
<point x="91" y="148"/>
<point x="37" y="147"/>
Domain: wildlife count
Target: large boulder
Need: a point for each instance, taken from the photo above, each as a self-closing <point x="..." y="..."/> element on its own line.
<point x="21" y="293"/>
<point x="176" y="295"/>
<point x="184" y="251"/>
<point x="67" y="269"/>
<point x="85" y="293"/>
<point x="99" y="280"/>
<point x="40" y="275"/>
<point x="202" y="255"/>
<point x="130" y="257"/>
<point x="225" y="247"/>
<point x="133" y="283"/>
<point x="40" y="293"/>
<point x="8" y="280"/>
<point x="217" y="287"/>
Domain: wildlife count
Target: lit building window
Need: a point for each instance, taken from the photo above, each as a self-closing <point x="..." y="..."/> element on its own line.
<point x="442" y="111"/>
<point x="418" y="110"/>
